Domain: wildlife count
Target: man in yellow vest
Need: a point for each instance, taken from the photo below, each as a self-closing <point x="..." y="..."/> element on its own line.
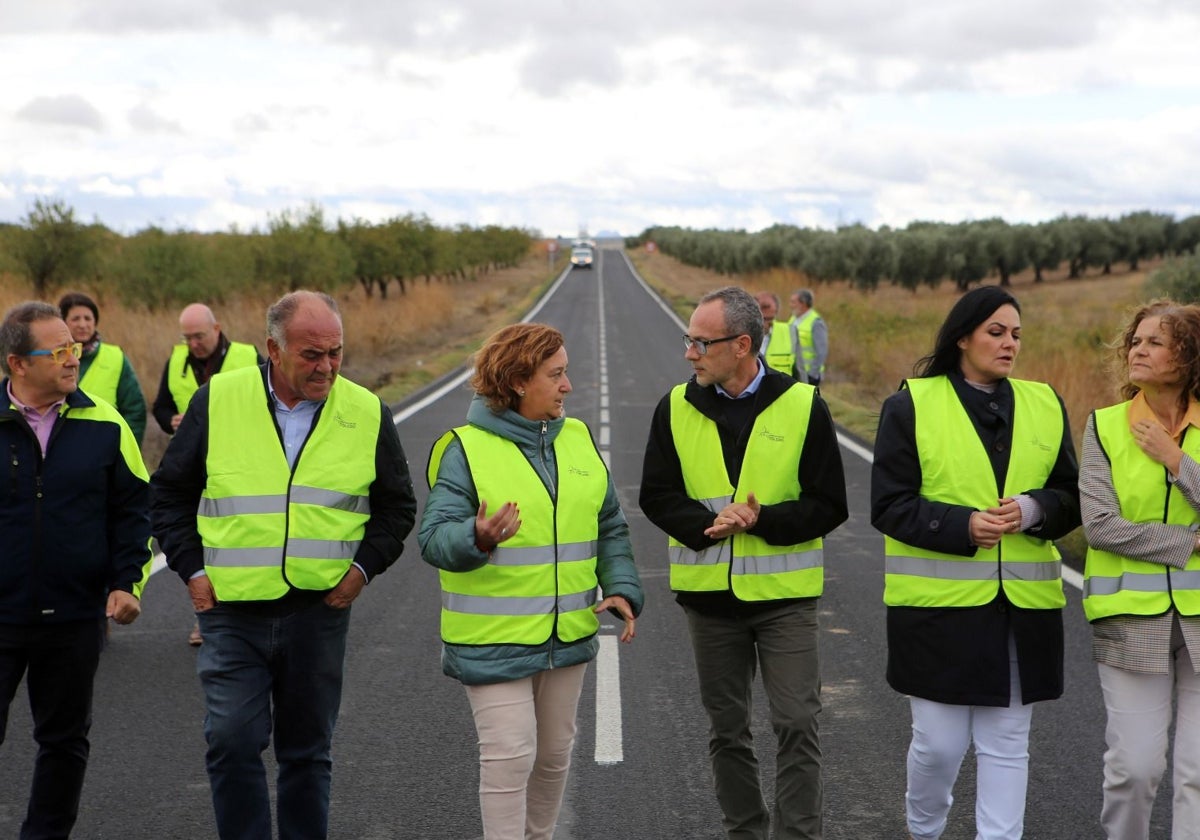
<point x="205" y="351"/>
<point x="284" y="491"/>
<point x="776" y="348"/>
<point x="742" y="471"/>
<point x="810" y="337"/>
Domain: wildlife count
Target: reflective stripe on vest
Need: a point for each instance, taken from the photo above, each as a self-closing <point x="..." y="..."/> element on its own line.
<point x="1118" y="585"/>
<point x="541" y="581"/>
<point x="955" y="469"/>
<point x="104" y="373"/>
<point x="181" y="379"/>
<point x="804" y="334"/>
<point x="745" y="564"/>
<point x="779" y="353"/>
<point x="266" y="527"/>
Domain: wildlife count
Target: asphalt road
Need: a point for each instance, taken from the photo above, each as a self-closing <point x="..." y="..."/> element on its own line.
<point x="405" y="758"/>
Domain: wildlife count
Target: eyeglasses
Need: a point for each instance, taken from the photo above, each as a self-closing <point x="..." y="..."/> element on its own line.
<point x="701" y="344"/>
<point x="59" y="354"/>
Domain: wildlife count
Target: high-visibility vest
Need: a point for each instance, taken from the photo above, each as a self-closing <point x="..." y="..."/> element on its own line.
<point x="541" y="580"/>
<point x="751" y="568"/>
<point x="804" y="333"/>
<point x="780" y="355"/>
<point x="1118" y="585"/>
<point x="104" y="373"/>
<point x="181" y="379"/>
<point x="265" y="525"/>
<point x="955" y="469"/>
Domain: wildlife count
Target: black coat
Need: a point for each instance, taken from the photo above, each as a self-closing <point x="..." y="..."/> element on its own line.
<point x="960" y="655"/>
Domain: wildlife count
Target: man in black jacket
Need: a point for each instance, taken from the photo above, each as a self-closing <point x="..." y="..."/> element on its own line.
<point x="743" y="473"/>
<point x="74" y="548"/>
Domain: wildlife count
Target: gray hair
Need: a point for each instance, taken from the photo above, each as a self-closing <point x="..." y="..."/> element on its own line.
<point x="280" y="315"/>
<point x="16" y="339"/>
<point x="742" y="315"/>
<point x="805" y="296"/>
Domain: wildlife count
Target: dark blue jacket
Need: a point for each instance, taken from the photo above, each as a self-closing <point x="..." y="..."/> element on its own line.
<point x="75" y="524"/>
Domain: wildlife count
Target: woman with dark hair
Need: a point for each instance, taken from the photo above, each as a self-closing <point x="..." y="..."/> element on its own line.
<point x="523" y="522"/>
<point x="104" y="369"/>
<point x="1140" y="489"/>
<point x="974" y="476"/>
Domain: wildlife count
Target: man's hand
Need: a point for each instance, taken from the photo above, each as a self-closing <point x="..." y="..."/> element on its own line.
<point x="204" y="597"/>
<point x="176" y="419"/>
<point x="343" y="595"/>
<point x="122" y="607"/>
<point x="734" y="518"/>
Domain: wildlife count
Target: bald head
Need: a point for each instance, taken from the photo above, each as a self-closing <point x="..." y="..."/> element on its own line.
<point x="200" y="330"/>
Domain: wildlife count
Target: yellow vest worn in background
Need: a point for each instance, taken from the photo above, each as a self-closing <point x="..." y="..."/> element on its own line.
<point x="779" y="353"/>
<point x="749" y="566"/>
<point x="542" y="580"/>
<point x="804" y="331"/>
<point x="1117" y="585"/>
<point x="265" y="526"/>
<point x="104" y="373"/>
<point x="955" y="469"/>
<point x="181" y="379"/>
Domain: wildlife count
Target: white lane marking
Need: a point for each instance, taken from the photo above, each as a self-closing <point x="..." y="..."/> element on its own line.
<point x="609" y="738"/>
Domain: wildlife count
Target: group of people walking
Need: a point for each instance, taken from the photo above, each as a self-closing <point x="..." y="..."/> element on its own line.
<point x="285" y="491"/>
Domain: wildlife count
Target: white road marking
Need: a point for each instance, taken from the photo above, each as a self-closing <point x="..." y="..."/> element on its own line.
<point x="609" y="738"/>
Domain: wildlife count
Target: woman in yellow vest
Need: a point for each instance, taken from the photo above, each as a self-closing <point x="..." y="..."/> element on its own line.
<point x="1140" y="489"/>
<point x="974" y="475"/>
<point x="104" y="370"/>
<point x="524" y="523"/>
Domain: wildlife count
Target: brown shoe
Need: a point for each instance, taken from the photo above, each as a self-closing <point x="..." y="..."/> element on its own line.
<point x="194" y="638"/>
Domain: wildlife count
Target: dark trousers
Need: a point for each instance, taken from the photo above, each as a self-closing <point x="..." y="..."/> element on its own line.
<point x="261" y="673"/>
<point x="59" y="663"/>
<point x="728" y="651"/>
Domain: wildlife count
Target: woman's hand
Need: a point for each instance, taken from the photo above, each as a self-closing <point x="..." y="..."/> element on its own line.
<point x="1156" y="443"/>
<point x="491" y="531"/>
<point x="622" y="606"/>
<point x="987" y="527"/>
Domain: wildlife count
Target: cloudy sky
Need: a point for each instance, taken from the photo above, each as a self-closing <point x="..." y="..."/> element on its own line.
<point x="613" y="115"/>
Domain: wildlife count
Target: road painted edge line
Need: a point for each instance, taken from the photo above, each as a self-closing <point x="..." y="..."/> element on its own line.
<point x="609" y="749"/>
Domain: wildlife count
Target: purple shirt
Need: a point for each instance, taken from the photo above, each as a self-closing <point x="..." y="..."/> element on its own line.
<point x="40" y="423"/>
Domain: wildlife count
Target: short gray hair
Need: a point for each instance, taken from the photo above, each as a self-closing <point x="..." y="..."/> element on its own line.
<point x="805" y="296"/>
<point x="283" y="310"/>
<point x="742" y="315"/>
<point x="15" y="336"/>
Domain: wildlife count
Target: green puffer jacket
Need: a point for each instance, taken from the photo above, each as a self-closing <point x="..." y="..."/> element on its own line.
<point x="447" y="539"/>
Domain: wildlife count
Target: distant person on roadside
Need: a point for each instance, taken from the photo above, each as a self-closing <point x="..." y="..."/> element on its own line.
<point x="810" y="338"/>
<point x="1140" y="486"/>
<point x="776" y="346"/>
<point x="524" y="523"/>
<point x="205" y="351"/>
<point x="104" y="370"/>
<point x="974" y="476"/>
<point x="74" y="549"/>
<point x="283" y="493"/>
<point x="743" y="473"/>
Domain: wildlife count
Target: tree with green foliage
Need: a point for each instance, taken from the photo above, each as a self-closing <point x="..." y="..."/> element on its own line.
<point x="301" y="253"/>
<point x="1178" y="279"/>
<point x="52" y="247"/>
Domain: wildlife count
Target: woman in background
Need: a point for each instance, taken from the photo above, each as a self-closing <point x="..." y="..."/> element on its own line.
<point x="1140" y="488"/>
<point x="974" y="476"/>
<point x="523" y="521"/>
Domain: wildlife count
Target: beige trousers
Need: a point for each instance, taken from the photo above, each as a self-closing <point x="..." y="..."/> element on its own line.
<point x="526" y="731"/>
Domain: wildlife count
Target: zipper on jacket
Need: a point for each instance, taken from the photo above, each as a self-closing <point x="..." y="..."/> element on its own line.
<point x="553" y="490"/>
<point x="14" y="467"/>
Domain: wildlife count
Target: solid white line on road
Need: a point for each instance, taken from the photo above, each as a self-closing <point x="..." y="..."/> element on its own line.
<point x="609" y="739"/>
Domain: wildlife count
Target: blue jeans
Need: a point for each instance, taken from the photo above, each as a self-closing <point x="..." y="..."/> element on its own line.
<point x="263" y="672"/>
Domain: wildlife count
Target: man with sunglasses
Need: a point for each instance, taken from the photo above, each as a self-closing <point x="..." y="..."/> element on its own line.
<point x="743" y="473"/>
<point x="75" y="532"/>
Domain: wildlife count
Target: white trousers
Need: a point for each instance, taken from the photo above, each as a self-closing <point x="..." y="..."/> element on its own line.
<point x="1139" y="715"/>
<point x="941" y="735"/>
<point x="526" y="731"/>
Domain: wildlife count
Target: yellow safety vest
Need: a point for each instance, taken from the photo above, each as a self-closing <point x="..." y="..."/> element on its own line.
<point x="779" y="353"/>
<point x="751" y="568"/>
<point x="955" y="469"/>
<point x="542" y="580"/>
<point x="1118" y="585"/>
<point x="808" y="352"/>
<point x="181" y="379"/>
<point x="265" y="525"/>
<point x="104" y="373"/>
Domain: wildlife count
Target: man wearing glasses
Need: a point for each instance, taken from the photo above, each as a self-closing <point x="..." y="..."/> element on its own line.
<point x="743" y="473"/>
<point x="75" y="533"/>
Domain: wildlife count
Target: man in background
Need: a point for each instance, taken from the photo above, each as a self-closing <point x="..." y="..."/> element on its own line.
<point x="810" y="337"/>
<point x="75" y="549"/>
<point x="777" y="347"/>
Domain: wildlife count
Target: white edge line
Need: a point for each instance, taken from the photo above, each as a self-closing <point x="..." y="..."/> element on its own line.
<point x="609" y="750"/>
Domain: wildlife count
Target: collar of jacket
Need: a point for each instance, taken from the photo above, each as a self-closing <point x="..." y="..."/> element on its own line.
<point x="510" y="425"/>
<point x="76" y="399"/>
<point x="708" y="402"/>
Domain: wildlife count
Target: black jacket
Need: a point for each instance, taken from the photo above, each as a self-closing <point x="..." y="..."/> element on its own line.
<point x="73" y="525"/>
<point x="181" y="477"/>
<point x="960" y="655"/>
<point x="820" y="508"/>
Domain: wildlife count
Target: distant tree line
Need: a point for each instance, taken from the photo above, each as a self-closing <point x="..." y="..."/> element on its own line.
<point x="298" y="249"/>
<point x="926" y="253"/>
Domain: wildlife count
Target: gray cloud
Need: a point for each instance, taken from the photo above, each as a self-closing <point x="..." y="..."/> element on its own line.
<point x="145" y="119"/>
<point x="68" y="109"/>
